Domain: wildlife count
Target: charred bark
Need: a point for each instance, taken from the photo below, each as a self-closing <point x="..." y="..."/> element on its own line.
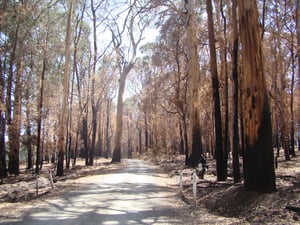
<point x="235" y="139"/>
<point x="220" y="155"/>
<point x="259" y="172"/>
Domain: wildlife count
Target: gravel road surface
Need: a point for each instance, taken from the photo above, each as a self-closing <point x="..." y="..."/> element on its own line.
<point x="137" y="193"/>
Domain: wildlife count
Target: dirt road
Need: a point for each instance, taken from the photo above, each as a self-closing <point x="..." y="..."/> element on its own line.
<point x="137" y="193"/>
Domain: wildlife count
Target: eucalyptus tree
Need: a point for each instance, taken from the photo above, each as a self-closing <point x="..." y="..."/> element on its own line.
<point x="171" y="52"/>
<point x="220" y="154"/>
<point x="3" y="169"/>
<point x="126" y="37"/>
<point x="235" y="102"/>
<point x="280" y="44"/>
<point x="290" y="25"/>
<point x="193" y="71"/>
<point x="61" y="136"/>
<point x="16" y="32"/>
<point x="258" y="160"/>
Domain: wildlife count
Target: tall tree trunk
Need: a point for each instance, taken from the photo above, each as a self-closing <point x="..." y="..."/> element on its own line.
<point x="220" y="158"/>
<point x="3" y="169"/>
<point x="14" y="128"/>
<point x="195" y="143"/>
<point x="297" y="4"/>
<point x="225" y="70"/>
<point x="62" y="135"/>
<point x="292" y="134"/>
<point x="235" y="107"/>
<point x="93" y="102"/>
<point x="9" y="94"/>
<point x="259" y="172"/>
<point x="118" y="136"/>
<point x="40" y="116"/>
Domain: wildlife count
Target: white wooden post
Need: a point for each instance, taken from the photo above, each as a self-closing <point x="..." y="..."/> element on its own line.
<point x="195" y="188"/>
<point x="51" y="178"/>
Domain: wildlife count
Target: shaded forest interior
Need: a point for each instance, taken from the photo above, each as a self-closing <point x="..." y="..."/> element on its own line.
<point x="117" y="79"/>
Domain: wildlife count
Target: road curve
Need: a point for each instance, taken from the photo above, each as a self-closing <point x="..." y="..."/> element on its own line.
<point x="138" y="193"/>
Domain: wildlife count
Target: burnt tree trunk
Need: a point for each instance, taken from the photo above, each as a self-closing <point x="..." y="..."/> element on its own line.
<point x="220" y="155"/>
<point x="259" y="172"/>
<point x="235" y="138"/>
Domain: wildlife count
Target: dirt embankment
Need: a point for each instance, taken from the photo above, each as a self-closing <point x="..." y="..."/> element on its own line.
<point x="231" y="200"/>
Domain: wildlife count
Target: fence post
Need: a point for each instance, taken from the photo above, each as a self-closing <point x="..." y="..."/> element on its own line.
<point x="51" y="178"/>
<point x="195" y="188"/>
<point x="180" y="181"/>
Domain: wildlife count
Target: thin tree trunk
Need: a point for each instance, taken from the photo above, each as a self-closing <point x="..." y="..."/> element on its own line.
<point x="259" y="172"/>
<point x="40" y="116"/>
<point x="61" y="141"/>
<point x="3" y="170"/>
<point x="226" y="122"/>
<point x="297" y="4"/>
<point x="235" y="107"/>
<point x="93" y="102"/>
<point x="220" y="159"/>
<point x="292" y="135"/>
<point x="297" y="7"/>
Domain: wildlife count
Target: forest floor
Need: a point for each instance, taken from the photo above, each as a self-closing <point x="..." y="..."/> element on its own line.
<point x="223" y="199"/>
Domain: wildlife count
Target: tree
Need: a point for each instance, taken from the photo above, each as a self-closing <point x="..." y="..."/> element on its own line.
<point x="40" y="112"/>
<point x="135" y="23"/>
<point x="195" y="143"/>
<point x="95" y="103"/>
<point x="62" y="135"/>
<point x="258" y="158"/>
<point x="3" y="171"/>
<point x="235" y="78"/>
<point x="220" y="156"/>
